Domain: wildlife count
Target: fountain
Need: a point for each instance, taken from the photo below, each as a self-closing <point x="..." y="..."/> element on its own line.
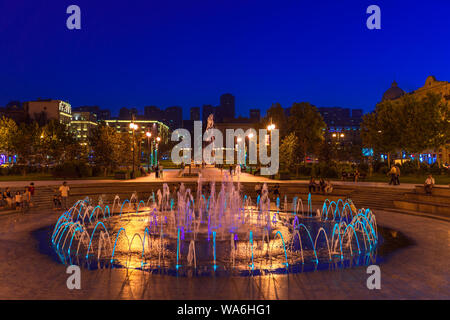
<point x="189" y="233"/>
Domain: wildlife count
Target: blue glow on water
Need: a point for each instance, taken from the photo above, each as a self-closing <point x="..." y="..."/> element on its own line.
<point x="251" y="243"/>
<point x="92" y="236"/>
<point x="178" y="249"/>
<point x="214" y="248"/>
<point x="284" y="247"/>
<point x="115" y="243"/>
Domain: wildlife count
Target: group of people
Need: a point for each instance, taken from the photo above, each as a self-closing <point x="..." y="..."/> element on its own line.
<point x="22" y="200"/>
<point x="323" y="186"/>
<point x="18" y="200"/>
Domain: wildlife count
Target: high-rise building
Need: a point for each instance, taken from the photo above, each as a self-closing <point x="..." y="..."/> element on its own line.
<point x="227" y="107"/>
<point x="102" y="114"/>
<point x="153" y="112"/>
<point x="173" y="117"/>
<point x="195" y="113"/>
<point x="208" y="109"/>
<point x="255" y="115"/>
<point x="343" y="124"/>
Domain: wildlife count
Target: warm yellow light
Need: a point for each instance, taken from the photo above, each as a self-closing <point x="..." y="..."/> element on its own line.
<point x="148" y="134"/>
<point x="334" y="135"/>
<point x="158" y="139"/>
<point x="239" y="139"/>
<point x="342" y="135"/>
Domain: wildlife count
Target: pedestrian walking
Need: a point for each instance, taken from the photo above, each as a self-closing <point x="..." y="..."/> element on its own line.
<point x="393" y="174"/>
<point x="397" y="175"/>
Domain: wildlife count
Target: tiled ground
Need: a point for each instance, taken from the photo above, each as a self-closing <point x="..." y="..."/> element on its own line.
<point x="421" y="271"/>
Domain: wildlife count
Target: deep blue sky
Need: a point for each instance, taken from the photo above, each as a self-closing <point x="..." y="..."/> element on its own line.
<point x="186" y="53"/>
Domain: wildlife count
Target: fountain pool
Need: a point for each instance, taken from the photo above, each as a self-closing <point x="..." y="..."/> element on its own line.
<point x="215" y="232"/>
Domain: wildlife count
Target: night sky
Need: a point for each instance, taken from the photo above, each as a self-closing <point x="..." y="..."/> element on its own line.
<point x="187" y="53"/>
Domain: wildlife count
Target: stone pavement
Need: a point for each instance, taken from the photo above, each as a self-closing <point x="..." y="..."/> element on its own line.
<point x="420" y="271"/>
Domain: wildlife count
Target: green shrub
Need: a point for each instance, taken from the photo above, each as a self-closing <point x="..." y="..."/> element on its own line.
<point x="72" y="169"/>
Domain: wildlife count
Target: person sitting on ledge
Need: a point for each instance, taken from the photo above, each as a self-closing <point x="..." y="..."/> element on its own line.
<point x="8" y="198"/>
<point x="429" y="183"/>
<point x="312" y="185"/>
<point x="322" y="185"/>
<point x="328" y="186"/>
<point x="18" y="200"/>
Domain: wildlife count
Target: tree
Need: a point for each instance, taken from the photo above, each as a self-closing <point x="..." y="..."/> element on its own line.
<point x="105" y="143"/>
<point x="56" y="143"/>
<point x="408" y="124"/>
<point x="288" y="150"/>
<point x="8" y="131"/>
<point x="382" y="128"/>
<point x="308" y="126"/>
<point x="276" y="115"/>
<point x="25" y="145"/>
<point x="426" y="123"/>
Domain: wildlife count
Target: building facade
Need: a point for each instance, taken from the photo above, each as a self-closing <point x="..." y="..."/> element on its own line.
<point x="82" y="124"/>
<point x="157" y="128"/>
<point x="441" y="88"/>
<point x="44" y="110"/>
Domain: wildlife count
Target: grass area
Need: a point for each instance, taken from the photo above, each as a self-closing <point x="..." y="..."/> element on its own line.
<point x="416" y="179"/>
<point x="46" y="176"/>
<point x="168" y="164"/>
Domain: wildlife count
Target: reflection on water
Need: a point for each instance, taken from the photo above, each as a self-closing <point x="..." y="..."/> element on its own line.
<point x="219" y="233"/>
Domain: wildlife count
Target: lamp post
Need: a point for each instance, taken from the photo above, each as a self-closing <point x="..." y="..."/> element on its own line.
<point x="133" y="128"/>
<point x="270" y="127"/>
<point x="149" y="135"/>
<point x="158" y="139"/>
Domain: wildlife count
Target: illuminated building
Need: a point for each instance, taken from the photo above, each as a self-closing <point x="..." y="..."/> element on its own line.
<point x="157" y="128"/>
<point x="434" y="86"/>
<point x="82" y="125"/>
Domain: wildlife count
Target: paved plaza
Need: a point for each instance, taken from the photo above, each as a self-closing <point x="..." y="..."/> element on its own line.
<point x="419" y="271"/>
<point x="209" y="174"/>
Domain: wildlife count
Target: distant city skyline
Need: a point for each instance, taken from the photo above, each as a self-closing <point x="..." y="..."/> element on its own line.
<point x="189" y="53"/>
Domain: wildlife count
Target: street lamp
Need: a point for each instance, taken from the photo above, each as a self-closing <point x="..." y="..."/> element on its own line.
<point x="149" y="135"/>
<point x="270" y="127"/>
<point x="158" y="139"/>
<point x="133" y="128"/>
